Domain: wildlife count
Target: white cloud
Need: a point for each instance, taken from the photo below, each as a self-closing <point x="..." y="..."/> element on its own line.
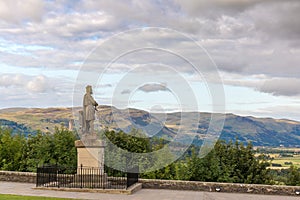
<point x="154" y="87"/>
<point x="79" y="24"/>
<point x="281" y="86"/>
<point x="126" y="91"/>
<point x="34" y="91"/>
<point x="277" y="19"/>
<point x="17" y="11"/>
<point x="277" y="86"/>
<point x="32" y="84"/>
<point x="217" y="8"/>
<point x="37" y="84"/>
<point x="192" y="4"/>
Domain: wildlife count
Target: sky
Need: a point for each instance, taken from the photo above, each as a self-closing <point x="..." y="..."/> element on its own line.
<point x="233" y="56"/>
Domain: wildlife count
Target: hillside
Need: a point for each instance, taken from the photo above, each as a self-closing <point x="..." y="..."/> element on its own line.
<point x="261" y="131"/>
<point x="16" y="128"/>
<point x="44" y="119"/>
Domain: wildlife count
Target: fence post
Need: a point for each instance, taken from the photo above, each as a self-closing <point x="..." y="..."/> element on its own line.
<point x="80" y="176"/>
<point x="132" y="177"/>
<point x="57" y="176"/>
<point x="37" y="176"/>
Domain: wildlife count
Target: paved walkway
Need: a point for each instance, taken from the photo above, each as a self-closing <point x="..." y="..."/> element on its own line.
<point x="144" y="194"/>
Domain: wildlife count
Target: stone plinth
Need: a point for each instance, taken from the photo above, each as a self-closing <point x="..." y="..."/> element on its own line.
<point x="90" y="154"/>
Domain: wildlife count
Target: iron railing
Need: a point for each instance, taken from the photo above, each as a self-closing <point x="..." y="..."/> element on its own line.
<point x="84" y="177"/>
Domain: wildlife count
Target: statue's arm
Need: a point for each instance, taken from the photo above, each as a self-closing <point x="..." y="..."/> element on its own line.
<point x="94" y="103"/>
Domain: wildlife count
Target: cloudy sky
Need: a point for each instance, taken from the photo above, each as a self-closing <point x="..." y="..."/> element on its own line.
<point x="141" y="54"/>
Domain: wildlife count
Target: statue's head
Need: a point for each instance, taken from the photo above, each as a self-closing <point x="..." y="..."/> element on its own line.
<point x="89" y="89"/>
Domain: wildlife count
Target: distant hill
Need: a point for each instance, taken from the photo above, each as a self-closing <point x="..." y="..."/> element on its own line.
<point x="16" y="128"/>
<point x="43" y="119"/>
<point x="261" y="131"/>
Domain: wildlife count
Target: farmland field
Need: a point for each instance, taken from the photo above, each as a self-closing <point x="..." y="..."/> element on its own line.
<point x="285" y="157"/>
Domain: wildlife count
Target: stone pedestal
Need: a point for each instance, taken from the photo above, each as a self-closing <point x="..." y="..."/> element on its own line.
<point x="90" y="162"/>
<point x="90" y="154"/>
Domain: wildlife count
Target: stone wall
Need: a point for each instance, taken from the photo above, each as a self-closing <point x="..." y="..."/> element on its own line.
<point x="28" y="177"/>
<point x="220" y="187"/>
<point x="24" y="177"/>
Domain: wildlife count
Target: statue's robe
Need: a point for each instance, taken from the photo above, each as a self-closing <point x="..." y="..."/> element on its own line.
<point x="89" y="107"/>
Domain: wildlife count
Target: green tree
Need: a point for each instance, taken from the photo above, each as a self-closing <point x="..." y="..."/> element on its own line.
<point x="133" y="142"/>
<point x="227" y="162"/>
<point x="40" y="149"/>
<point x="64" y="150"/>
<point x="11" y="150"/>
<point x="293" y="176"/>
<point x="239" y="164"/>
<point x="47" y="148"/>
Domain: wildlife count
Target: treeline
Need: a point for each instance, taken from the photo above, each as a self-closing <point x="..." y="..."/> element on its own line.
<point x="231" y="162"/>
<point x="290" y="176"/>
<point x="21" y="153"/>
<point x="227" y="162"/>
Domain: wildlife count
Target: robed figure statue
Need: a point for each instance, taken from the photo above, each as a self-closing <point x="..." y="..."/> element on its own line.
<point x="89" y="108"/>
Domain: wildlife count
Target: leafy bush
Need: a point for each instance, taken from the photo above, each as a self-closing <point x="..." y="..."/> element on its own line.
<point x="20" y="153"/>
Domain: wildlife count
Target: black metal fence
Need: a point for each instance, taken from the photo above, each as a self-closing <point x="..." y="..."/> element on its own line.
<point x="84" y="177"/>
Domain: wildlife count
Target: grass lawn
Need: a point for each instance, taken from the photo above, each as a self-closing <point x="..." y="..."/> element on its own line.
<point x="16" y="197"/>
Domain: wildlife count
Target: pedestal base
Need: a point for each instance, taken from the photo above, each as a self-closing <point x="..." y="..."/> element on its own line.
<point x="90" y="154"/>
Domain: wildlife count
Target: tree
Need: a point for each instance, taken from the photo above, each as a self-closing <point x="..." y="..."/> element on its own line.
<point x="40" y="148"/>
<point x="134" y="143"/>
<point x="18" y="153"/>
<point x="238" y="164"/>
<point x="11" y="150"/>
<point x="293" y="176"/>
<point x="64" y="150"/>
<point x="228" y="162"/>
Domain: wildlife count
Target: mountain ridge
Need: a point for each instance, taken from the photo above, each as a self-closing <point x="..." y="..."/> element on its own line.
<point x="260" y="131"/>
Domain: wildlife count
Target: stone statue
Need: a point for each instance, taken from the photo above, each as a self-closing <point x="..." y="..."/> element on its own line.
<point x="89" y="108"/>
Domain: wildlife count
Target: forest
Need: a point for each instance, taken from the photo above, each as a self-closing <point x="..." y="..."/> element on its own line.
<point x="232" y="162"/>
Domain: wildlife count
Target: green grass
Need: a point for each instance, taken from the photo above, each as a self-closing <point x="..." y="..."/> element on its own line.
<point x="17" y="197"/>
<point x="281" y="160"/>
<point x="275" y="154"/>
